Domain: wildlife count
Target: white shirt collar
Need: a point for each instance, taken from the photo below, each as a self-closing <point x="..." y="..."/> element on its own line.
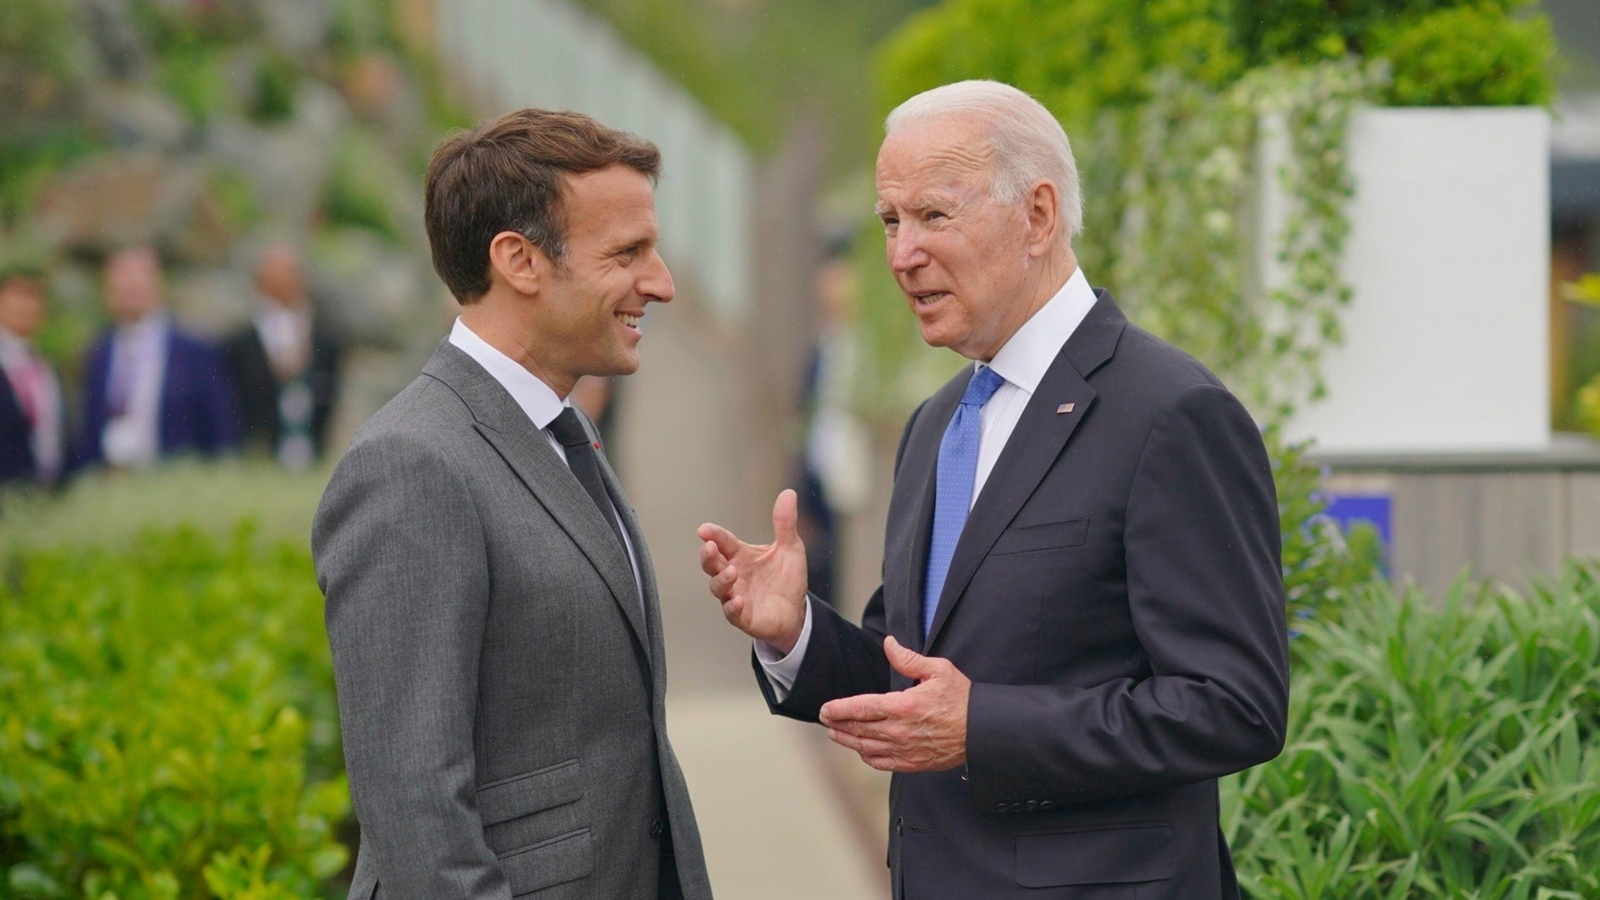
<point x="1029" y="353"/>
<point x="536" y="398"/>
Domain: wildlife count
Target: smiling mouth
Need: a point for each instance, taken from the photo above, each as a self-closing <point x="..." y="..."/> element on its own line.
<point x="928" y="298"/>
<point x="629" y="319"/>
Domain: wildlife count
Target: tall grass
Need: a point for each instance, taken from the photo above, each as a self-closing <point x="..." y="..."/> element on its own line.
<point x="1436" y="750"/>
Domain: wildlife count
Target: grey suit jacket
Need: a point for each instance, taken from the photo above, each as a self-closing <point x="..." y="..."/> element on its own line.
<point x="500" y="689"/>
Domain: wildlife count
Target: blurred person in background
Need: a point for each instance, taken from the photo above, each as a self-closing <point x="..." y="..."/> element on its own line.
<point x="285" y="364"/>
<point x="491" y="606"/>
<point x="1081" y="622"/>
<point x="33" y="443"/>
<point x="835" y="458"/>
<point x="150" y="389"/>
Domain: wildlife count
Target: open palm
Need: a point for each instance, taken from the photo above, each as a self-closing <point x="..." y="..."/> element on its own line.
<point x="762" y="587"/>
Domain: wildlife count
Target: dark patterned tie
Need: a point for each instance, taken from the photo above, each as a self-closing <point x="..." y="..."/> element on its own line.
<point x="585" y="464"/>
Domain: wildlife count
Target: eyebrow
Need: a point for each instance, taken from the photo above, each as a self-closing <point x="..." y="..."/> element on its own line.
<point x="920" y="205"/>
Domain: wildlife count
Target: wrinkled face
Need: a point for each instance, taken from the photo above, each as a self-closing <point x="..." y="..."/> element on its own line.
<point x="959" y="256"/>
<point x="133" y="285"/>
<point x="589" y="308"/>
<point x="21" y="307"/>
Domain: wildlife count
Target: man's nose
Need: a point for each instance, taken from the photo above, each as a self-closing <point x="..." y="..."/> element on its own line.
<point x="905" y="251"/>
<point x="656" y="283"/>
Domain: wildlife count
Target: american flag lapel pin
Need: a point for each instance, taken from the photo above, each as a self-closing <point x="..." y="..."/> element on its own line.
<point x="1064" y="408"/>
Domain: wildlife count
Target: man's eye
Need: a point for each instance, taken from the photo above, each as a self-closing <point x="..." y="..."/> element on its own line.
<point x="934" y="214"/>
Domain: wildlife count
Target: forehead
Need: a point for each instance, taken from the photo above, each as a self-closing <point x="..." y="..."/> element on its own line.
<point x="945" y="154"/>
<point x="607" y="201"/>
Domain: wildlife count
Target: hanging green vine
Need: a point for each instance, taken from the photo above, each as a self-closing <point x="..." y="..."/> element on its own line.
<point x="1186" y="248"/>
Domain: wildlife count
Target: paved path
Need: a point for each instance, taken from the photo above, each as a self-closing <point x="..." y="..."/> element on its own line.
<point x="775" y="822"/>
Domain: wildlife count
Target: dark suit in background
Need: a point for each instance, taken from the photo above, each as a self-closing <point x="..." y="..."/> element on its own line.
<point x="1116" y="600"/>
<point x="260" y="388"/>
<point x="196" y="406"/>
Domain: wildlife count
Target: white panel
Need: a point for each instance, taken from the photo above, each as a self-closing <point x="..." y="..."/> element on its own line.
<point x="1447" y="345"/>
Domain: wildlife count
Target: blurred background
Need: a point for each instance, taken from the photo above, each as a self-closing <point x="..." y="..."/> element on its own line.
<point x="1378" y="221"/>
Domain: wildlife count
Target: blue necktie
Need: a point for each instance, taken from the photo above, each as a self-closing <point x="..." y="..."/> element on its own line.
<point x="958" y="469"/>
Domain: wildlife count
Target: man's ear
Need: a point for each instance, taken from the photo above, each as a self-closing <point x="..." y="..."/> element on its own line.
<point x="514" y="260"/>
<point x="1044" y="208"/>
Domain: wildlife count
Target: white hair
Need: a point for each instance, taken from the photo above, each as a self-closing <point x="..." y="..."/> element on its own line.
<point x="1028" y="144"/>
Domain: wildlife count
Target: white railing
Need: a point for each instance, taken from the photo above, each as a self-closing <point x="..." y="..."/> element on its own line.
<point x="551" y="54"/>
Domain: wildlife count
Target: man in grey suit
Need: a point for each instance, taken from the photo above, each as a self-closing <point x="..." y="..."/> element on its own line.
<point x="491" y="606"/>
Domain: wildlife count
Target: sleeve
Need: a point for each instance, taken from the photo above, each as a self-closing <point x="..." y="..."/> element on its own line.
<point x="221" y="400"/>
<point x="401" y="560"/>
<point x="1205" y="591"/>
<point x="781" y="670"/>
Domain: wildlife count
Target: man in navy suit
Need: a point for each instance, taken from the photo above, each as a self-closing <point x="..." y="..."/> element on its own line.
<point x="1081" y="622"/>
<point x="151" y="390"/>
<point x="32" y="421"/>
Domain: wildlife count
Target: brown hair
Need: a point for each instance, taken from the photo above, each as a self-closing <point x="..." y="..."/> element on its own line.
<point x="507" y="174"/>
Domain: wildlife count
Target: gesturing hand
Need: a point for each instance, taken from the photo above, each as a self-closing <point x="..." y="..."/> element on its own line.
<point x="921" y="729"/>
<point x="762" y="586"/>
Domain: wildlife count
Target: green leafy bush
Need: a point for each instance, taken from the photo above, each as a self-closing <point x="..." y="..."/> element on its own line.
<point x="1469" y="56"/>
<point x="356" y="194"/>
<point x="1077" y="58"/>
<point x="167" y="723"/>
<point x="1324" y="567"/>
<point x="1445" y="751"/>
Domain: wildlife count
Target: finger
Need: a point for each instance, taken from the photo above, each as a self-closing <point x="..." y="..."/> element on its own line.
<point x="725" y="540"/>
<point x="722" y="584"/>
<point x="885" y="763"/>
<point x="785" y="518"/>
<point x="860" y="708"/>
<point x="888" y="731"/>
<point x="712" y="562"/>
<point x="861" y="745"/>
<point x="911" y="663"/>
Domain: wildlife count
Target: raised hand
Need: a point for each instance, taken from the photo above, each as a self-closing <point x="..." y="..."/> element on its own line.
<point x="920" y="729"/>
<point x="762" y="586"/>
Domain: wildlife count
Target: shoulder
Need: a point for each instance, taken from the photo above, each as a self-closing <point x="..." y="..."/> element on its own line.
<point x="425" y="414"/>
<point x="1164" y="368"/>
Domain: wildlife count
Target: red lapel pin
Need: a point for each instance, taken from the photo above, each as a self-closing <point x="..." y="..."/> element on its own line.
<point x="1064" y="408"/>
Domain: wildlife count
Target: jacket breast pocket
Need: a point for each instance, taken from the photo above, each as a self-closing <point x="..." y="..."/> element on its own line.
<point x="1123" y="854"/>
<point x="1044" y="536"/>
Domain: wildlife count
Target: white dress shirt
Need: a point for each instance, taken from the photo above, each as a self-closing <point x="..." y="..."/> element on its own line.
<point x="539" y="401"/>
<point x="26" y="370"/>
<point x="1022" y="362"/>
<point x="138" y="354"/>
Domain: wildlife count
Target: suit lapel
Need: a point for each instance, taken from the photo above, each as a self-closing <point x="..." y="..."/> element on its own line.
<point x="507" y="428"/>
<point x="647" y="569"/>
<point x="1037" y="441"/>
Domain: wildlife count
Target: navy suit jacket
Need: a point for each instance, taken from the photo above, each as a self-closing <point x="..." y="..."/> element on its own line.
<point x="1116" y="598"/>
<point x="197" y="413"/>
<point x="16" y="449"/>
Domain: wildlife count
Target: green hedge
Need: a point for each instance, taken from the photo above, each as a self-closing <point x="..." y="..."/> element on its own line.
<point x="167" y="722"/>
<point x="1435" y="750"/>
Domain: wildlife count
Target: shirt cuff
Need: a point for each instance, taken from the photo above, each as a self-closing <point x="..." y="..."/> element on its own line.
<point x="782" y="671"/>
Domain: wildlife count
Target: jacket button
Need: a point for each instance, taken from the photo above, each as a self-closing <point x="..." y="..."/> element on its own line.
<point x="1001" y="808"/>
<point x="899" y="826"/>
<point x="1047" y="804"/>
<point x="656" y="828"/>
<point x="1033" y="805"/>
<point x="1016" y="807"/>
